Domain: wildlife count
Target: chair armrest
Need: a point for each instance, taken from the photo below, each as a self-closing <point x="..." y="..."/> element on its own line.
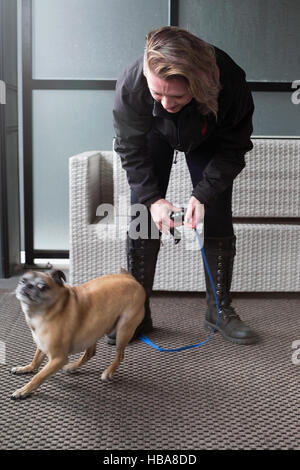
<point x="90" y="184"/>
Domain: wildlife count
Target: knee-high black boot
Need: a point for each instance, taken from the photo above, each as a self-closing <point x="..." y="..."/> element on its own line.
<point x="220" y="253"/>
<point x="141" y="262"/>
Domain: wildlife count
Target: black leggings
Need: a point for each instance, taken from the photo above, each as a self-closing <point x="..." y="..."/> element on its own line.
<point x="218" y="217"/>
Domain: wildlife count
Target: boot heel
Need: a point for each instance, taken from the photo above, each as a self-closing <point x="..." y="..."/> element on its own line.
<point x="210" y="327"/>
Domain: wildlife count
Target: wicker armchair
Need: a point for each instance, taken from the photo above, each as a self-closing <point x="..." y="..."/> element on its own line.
<point x="266" y="210"/>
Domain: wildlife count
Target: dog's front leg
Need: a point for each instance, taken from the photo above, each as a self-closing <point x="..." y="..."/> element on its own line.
<point x="50" y="368"/>
<point x="35" y="364"/>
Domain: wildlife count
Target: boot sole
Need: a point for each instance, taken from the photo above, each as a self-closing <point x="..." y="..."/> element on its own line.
<point x="109" y="340"/>
<point x="212" y="326"/>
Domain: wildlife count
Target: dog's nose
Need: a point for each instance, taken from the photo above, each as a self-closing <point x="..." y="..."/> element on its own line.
<point x="27" y="289"/>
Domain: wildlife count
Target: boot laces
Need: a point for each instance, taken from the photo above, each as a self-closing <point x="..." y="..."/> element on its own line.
<point x="228" y="312"/>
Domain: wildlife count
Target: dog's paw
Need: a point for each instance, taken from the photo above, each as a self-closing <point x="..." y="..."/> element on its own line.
<point x="69" y="369"/>
<point x="106" y="376"/>
<point x="20" y="395"/>
<point x="20" y="370"/>
<point x="16" y="370"/>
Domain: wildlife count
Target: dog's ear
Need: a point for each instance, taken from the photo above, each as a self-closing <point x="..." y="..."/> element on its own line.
<point x="58" y="276"/>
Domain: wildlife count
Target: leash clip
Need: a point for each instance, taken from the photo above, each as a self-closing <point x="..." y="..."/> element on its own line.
<point x="177" y="217"/>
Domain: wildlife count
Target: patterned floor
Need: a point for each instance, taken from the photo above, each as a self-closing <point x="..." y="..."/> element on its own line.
<point x="218" y="396"/>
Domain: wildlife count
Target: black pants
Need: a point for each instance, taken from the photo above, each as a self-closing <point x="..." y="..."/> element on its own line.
<point x="218" y="217"/>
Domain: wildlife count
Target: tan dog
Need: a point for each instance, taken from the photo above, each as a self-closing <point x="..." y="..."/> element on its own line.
<point x="66" y="320"/>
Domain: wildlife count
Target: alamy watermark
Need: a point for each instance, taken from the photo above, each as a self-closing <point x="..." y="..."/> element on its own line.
<point x="114" y="221"/>
<point x="296" y="353"/>
<point x="2" y="352"/>
<point x="296" y="94"/>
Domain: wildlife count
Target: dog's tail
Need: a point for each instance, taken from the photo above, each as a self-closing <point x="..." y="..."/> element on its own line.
<point x="124" y="271"/>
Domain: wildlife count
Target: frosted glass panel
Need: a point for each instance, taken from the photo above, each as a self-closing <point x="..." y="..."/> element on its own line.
<point x="275" y="114"/>
<point x="261" y="36"/>
<point x="91" y="39"/>
<point x="65" y="123"/>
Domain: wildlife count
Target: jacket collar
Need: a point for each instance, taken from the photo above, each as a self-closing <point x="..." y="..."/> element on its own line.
<point x="159" y="110"/>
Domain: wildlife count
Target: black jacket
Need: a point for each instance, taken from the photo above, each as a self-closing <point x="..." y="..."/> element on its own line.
<point x="136" y="113"/>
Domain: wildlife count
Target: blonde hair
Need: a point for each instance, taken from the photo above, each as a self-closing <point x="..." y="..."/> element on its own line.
<point x="172" y="52"/>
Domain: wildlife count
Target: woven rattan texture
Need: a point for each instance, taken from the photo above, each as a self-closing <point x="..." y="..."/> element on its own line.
<point x="267" y="259"/>
<point x="267" y="187"/>
<point x="267" y="253"/>
<point x="219" y="396"/>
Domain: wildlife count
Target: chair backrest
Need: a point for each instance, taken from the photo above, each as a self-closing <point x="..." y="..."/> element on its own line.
<point x="267" y="187"/>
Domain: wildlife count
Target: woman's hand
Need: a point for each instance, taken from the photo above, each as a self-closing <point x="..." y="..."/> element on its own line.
<point x="194" y="214"/>
<point x="160" y="214"/>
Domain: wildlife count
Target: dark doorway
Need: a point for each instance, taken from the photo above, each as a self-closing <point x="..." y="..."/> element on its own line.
<point x="9" y="169"/>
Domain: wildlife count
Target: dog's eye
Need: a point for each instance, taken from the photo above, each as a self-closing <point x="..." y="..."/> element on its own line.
<point x="42" y="287"/>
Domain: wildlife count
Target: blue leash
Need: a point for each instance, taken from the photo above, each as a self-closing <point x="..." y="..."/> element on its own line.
<point x="183" y="348"/>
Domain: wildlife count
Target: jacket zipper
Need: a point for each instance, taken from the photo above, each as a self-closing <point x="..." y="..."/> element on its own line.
<point x="178" y="137"/>
<point x="175" y="156"/>
<point x="178" y="145"/>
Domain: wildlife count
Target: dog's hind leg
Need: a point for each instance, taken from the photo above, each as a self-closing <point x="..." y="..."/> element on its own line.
<point x="108" y="373"/>
<point x="125" y="331"/>
<point x="87" y="355"/>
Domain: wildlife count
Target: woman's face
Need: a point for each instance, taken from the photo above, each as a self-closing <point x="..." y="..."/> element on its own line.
<point x="173" y="93"/>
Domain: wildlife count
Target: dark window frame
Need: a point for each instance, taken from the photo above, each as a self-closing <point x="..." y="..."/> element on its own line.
<point x="30" y="84"/>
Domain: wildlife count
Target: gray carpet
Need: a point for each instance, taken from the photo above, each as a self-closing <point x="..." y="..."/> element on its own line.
<point x="218" y="396"/>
